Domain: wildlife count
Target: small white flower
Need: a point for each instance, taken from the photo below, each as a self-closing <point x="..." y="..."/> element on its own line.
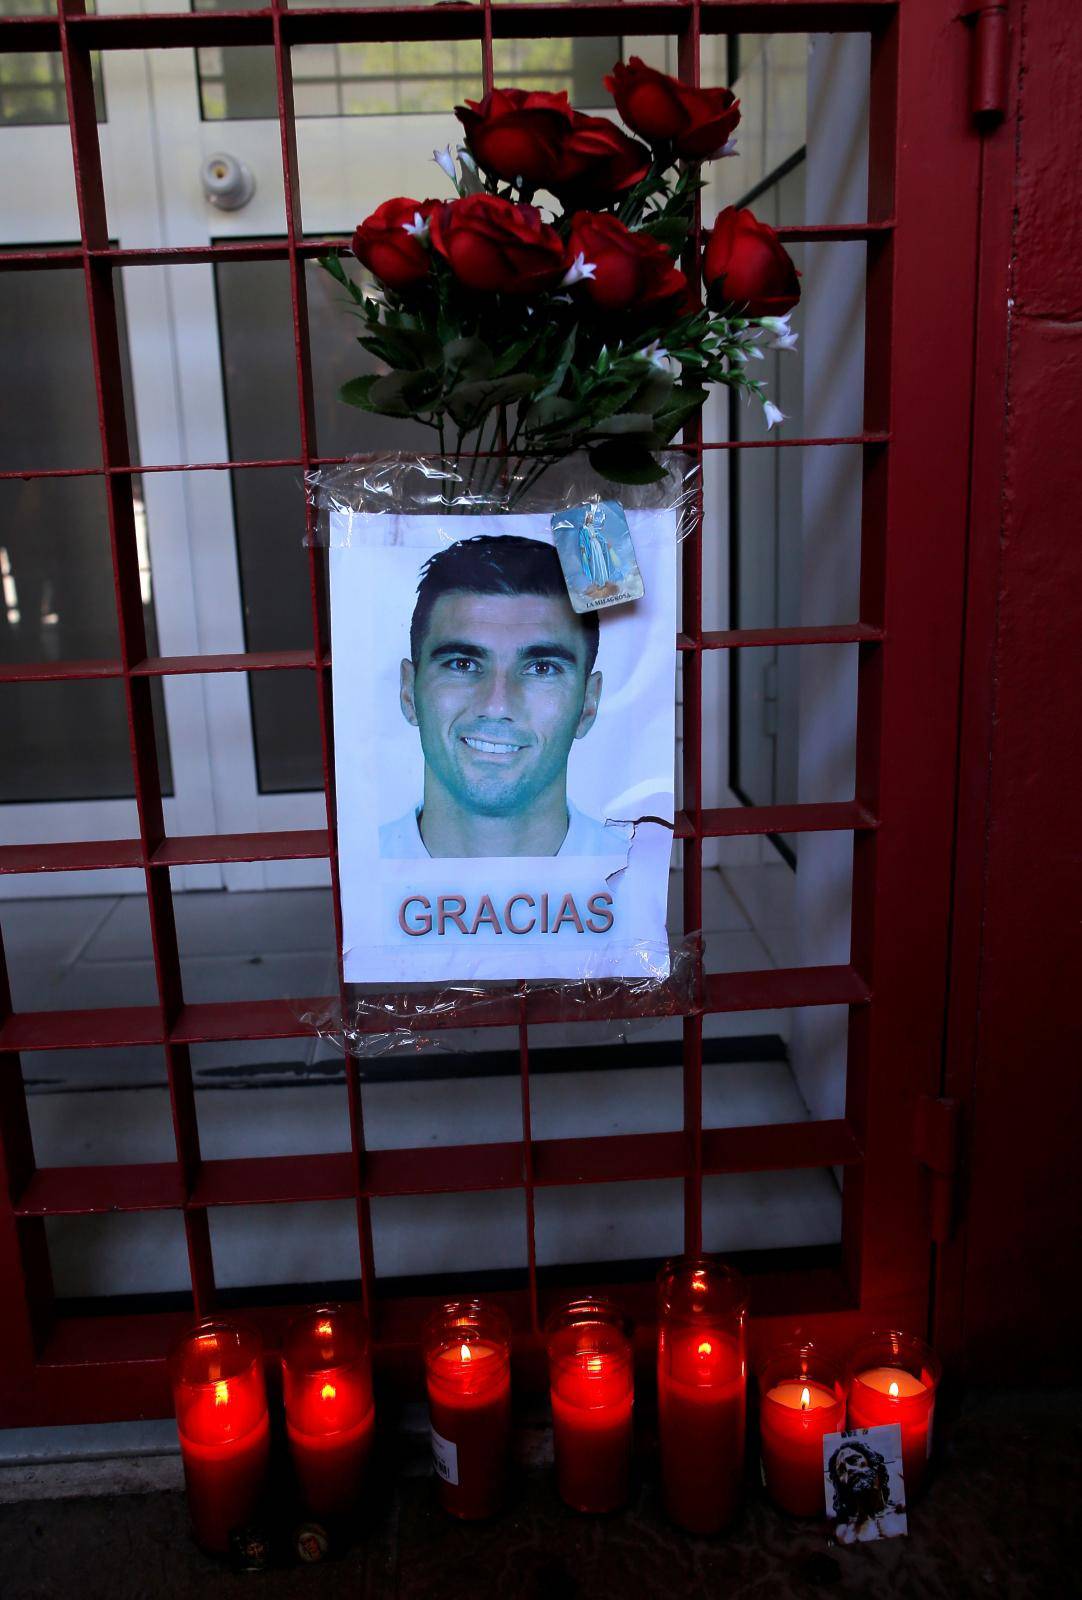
<point x="727" y="149"/>
<point x="445" y="160"/>
<point x="580" y="268"/>
<point x="471" y="181"/>
<point x="418" y="228"/>
<point x="753" y="350"/>
<point x="772" y="413"/>
<point x="738" y="355"/>
<point x="785" y="338"/>
<point x="660" y="358"/>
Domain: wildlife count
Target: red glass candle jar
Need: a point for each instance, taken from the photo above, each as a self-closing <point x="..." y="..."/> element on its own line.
<point x="330" y="1417"/>
<point x="592" y="1380"/>
<point x="801" y="1399"/>
<point x="216" y="1372"/>
<point x="893" y="1377"/>
<point x="467" y="1351"/>
<point x="701" y="1390"/>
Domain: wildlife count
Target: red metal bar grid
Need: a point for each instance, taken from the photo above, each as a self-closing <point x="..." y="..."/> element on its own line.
<point x="193" y="1185"/>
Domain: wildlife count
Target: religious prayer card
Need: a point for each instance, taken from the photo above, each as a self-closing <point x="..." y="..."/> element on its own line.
<point x="597" y="556"/>
<point x="864" y="1485"/>
<point x="504" y="763"/>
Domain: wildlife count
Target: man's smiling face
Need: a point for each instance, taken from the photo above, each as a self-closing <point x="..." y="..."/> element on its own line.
<point x="499" y="694"/>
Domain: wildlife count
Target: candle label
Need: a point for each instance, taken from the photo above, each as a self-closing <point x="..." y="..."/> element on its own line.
<point x="445" y="1457"/>
<point x="864" y="1484"/>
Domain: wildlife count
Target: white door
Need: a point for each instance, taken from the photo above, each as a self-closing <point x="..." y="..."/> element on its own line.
<point x="236" y="384"/>
<point x="211" y="357"/>
<point x="369" y="120"/>
<point x="67" y="773"/>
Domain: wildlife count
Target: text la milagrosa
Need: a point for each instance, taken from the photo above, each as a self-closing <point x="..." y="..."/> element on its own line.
<point x="521" y="913"/>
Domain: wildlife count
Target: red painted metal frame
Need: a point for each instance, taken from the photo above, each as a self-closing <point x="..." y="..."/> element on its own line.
<point x="56" y="1367"/>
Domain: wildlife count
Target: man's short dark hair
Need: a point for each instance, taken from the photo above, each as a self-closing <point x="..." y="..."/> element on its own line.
<point x="495" y="564"/>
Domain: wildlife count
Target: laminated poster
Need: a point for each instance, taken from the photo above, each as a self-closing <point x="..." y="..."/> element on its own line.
<point x="504" y="765"/>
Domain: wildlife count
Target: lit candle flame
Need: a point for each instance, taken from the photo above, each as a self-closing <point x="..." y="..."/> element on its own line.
<point x="893" y="1390"/>
<point x="805" y="1398"/>
<point x="466" y="1353"/>
<point x="593" y="1365"/>
<point x="706" y="1348"/>
<point x="328" y="1392"/>
<point x="221" y="1394"/>
<point x="324" y="1329"/>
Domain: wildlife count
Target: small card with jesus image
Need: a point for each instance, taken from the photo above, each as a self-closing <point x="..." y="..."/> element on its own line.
<point x="863" y="1482"/>
<point x="597" y="555"/>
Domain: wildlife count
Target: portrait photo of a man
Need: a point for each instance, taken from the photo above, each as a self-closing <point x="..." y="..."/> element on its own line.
<point x="500" y="683"/>
<point x="504" y="763"/>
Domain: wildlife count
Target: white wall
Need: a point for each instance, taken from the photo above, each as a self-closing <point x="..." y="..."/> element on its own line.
<point x="832" y="329"/>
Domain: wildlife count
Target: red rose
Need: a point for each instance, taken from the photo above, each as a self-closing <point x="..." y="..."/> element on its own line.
<point x="698" y="123"/>
<point x="517" y="133"/>
<point x="631" y="270"/>
<point x="388" y="245"/>
<point x="597" y="161"/>
<point x="539" y="138"/>
<point x="497" y="247"/>
<point x="746" y="265"/>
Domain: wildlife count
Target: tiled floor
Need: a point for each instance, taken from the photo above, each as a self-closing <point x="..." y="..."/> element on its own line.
<point x="287" y="1096"/>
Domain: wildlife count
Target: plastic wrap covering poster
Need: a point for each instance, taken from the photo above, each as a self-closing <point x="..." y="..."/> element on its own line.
<point x="504" y="764"/>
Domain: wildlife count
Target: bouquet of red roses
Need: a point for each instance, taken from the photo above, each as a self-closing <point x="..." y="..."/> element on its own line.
<point x="533" y="330"/>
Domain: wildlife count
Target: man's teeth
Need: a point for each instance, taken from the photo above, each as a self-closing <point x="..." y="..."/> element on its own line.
<point x="491" y="747"/>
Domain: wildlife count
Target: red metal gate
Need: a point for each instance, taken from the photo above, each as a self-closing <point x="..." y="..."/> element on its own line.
<point x="924" y="158"/>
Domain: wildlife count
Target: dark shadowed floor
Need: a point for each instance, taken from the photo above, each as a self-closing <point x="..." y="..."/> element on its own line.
<point x="1000" y="1520"/>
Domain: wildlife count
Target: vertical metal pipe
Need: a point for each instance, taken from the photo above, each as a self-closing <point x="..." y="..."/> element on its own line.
<point x="692" y="625"/>
<point x="317" y="574"/>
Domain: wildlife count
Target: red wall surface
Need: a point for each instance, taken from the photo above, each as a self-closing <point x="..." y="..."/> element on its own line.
<point x="1015" y="1039"/>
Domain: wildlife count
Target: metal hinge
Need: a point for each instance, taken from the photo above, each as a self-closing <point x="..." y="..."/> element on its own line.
<point x="990" y="46"/>
<point x="937" y="1143"/>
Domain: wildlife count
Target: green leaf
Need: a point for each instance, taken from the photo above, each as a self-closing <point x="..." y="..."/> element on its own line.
<point x="655" y="392"/>
<point x="626" y="461"/>
<point x="403" y="394"/>
<point x="470" y="403"/>
<point x="355" y="392"/>
<point x="606" y="401"/>
<point x="563" y="361"/>
<point x="466" y="358"/>
<point x="333" y="265"/>
<point x="670" y="231"/>
<point x="685" y="403"/>
<point x="517" y="351"/>
<point x="551" y="411"/>
<point x="626" y="422"/>
<point x="411" y="348"/>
